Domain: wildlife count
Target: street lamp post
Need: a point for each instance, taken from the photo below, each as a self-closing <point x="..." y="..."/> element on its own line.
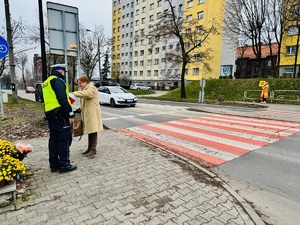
<point x="99" y="61"/>
<point x="98" y="49"/>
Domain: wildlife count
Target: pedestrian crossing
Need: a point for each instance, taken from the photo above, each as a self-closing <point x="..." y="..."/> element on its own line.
<point x="216" y="139"/>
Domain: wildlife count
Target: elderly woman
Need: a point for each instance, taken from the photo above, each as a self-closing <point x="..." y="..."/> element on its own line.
<point x="90" y="112"/>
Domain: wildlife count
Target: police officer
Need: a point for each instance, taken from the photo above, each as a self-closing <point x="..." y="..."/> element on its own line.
<point x="60" y="116"/>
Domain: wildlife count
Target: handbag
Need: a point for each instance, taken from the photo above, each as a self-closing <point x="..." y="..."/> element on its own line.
<point x="77" y="129"/>
<point x="77" y="126"/>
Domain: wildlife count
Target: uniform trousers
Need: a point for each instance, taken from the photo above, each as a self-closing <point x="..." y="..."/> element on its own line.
<point x="59" y="142"/>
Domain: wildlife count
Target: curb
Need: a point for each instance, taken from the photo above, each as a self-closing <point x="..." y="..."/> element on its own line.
<point x="245" y="205"/>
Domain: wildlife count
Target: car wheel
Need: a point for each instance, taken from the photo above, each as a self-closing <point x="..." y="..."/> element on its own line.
<point x="132" y="105"/>
<point x="112" y="102"/>
<point x="138" y="89"/>
<point x="149" y="89"/>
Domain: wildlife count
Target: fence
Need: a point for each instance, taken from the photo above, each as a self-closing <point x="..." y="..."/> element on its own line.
<point x="275" y="95"/>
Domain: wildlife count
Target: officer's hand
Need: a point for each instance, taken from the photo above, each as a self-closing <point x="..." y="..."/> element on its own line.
<point x="71" y="120"/>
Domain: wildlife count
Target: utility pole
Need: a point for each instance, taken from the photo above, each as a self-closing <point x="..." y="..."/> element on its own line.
<point x="42" y="38"/>
<point x="12" y="65"/>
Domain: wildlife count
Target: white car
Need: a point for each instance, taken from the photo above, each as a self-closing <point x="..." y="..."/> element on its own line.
<point x="116" y="95"/>
<point x="139" y="86"/>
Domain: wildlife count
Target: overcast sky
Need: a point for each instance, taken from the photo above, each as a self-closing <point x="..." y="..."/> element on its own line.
<point x="91" y="12"/>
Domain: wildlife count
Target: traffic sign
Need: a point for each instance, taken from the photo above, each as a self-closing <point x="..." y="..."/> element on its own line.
<point x="3" y="47"/>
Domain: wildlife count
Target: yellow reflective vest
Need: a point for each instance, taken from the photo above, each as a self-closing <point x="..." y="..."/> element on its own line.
<point x="50" y="99"/>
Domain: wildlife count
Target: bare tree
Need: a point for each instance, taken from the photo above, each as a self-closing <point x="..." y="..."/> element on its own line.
<point x="19" y="28"/>
<point x="190" y="36"/>
<point x="248" y="18"/>
<point x="92" y="48"/>
<point x="21" y="61"/>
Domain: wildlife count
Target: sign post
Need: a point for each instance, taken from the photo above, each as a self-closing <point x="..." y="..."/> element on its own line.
<point x="4" y="48"/>
<point x="201" y="93"/>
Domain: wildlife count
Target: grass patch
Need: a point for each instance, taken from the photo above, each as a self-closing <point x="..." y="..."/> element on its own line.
<point x="141" y="92"/>
<point x="22" y="120"/>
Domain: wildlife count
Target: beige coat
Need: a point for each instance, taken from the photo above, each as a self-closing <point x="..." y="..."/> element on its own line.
<point x="90" y="109"/>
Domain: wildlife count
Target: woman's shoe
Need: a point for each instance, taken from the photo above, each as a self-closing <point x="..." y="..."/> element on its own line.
<point x="86" y="152"/>
<point x="92" y="152"/>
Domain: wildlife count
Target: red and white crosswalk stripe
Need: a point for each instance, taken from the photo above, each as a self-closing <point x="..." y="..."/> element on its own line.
<point x="215" y="139"/>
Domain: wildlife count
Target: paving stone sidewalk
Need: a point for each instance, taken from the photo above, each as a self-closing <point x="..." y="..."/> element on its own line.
<point x="128" y="182"/>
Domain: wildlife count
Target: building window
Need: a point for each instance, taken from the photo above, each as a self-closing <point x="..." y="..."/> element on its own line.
<point x="151" y="6"/>
<point x="293" y="30"/>
<point x="149" y="51"/>
<point x="159" y="3"/>
<point x="199" y="29"/>
<point x="197" y="57"/>
<point x="195" y="71"/>
<point x="142" y="53"/>
<point x="190" y="4"/>
<point x="143" y="20"/>
<point x="142" y="63"/>
<point x="156" y="61"/>
<point x="189" y="18"/>
<point x="141" y="73"/>
<point x="188" y="30"/>
<point x="158" y="15"/>
<point x="201" y="2"/>
<point x="151" y="18"/>
<point x="149" y="62"/>
<point x="295" y="9"/>
<point x="289" y="70"/>
<point x="155" y="72"/>
<point x="157" y="50"/>
<point x="291" y="50"/>
<point x="200" y="15"/>
<point x="148" y="72"/>
<point x="144" y="9"/>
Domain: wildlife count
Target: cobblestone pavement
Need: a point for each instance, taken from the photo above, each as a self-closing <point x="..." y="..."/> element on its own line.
<point x="127" y="182"/>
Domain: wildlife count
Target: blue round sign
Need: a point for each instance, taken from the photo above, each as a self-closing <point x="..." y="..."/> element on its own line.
<point x="3" y="47"/>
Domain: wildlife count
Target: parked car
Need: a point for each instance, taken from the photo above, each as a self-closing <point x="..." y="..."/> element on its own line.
<point x="116" y="95"/>
<point x="39" y="92"/>
<point x="29" y="89"/>
<point x="139" y="86"/>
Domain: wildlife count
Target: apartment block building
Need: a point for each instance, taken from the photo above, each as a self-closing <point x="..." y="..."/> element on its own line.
<point x="136" y="59"/>
<point x="289" y="55"/>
